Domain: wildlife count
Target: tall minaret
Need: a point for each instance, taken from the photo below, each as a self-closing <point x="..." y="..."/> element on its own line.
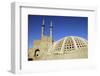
<point x="51" y="29"/>
<point x="42" y="27"/>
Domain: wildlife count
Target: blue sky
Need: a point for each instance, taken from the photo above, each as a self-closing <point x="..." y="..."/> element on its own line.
<point x="62" y="26"/>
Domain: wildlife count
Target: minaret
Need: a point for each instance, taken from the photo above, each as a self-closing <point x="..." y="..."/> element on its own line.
<point x="42" y="27"/>
<point x="51" y="29"/>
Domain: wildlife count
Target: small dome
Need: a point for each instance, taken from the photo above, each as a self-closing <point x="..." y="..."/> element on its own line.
<point x="70" y="43"/>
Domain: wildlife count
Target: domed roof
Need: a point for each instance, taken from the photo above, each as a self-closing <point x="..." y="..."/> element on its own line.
<point x="70" y="43"/>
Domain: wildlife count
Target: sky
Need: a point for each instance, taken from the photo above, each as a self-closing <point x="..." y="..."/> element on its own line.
<point x="62" y="26"/>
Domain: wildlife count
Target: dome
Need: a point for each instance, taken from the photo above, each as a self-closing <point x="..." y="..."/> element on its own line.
<point x="70" y="43"/>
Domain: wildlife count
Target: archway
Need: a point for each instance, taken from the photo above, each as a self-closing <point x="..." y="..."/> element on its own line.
<point x="36" y="54"/>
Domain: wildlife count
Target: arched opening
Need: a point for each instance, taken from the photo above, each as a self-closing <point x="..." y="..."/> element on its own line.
<point x="36" y="54"/>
